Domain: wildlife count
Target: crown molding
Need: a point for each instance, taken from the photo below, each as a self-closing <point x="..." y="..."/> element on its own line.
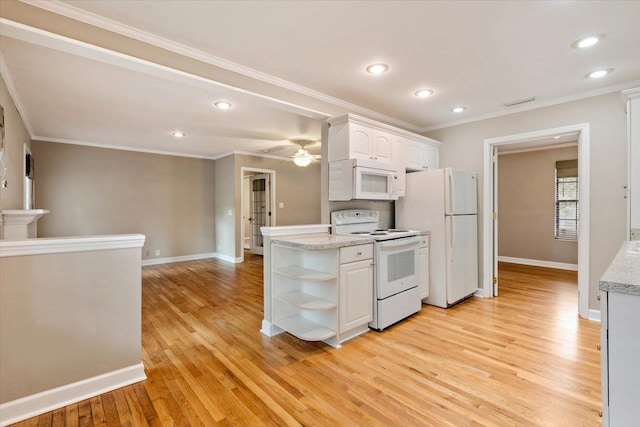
<point x="160" y="152"/>
<point x="13" y="93"/>
<point x="78" y="14"/>
<point x="119" y="147"/>
<point x="535" y="105"/>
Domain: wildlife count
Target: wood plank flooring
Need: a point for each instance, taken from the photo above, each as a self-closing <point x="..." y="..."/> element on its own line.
<point x="522" y="359"/>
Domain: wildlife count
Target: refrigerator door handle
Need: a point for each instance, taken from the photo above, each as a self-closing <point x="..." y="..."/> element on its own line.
<point x="451" y="193"/>
<point x="452" y="231"/>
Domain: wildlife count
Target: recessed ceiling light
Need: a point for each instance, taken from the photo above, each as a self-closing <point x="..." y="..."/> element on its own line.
<point x="178" y="134"/>
<point x="424" y="93"/>
<point x="599" y="73"/>
<point x="458" y="109"/>
<point x="587" y="41"/>
<point x="377" y="68"/>
<point x="223" y="105"/>
<point x="556" y="137"/>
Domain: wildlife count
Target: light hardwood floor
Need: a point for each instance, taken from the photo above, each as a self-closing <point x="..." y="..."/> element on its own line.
<point x="522" y="359"/>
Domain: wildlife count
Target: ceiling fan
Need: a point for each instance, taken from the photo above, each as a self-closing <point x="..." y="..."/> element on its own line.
<point x="301" y="157"/>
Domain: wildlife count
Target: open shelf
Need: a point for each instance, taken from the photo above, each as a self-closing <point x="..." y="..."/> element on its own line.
<point x="301" y="273"/>
<point x="305" y="329"/>
<point x="305" y="301"/>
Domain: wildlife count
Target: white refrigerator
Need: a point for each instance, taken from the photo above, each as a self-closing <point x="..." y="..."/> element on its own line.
<point x="445" y="202"/>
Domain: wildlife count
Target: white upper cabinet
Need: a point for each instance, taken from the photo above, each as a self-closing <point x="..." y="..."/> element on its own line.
<point x="354" y="137"/>
<point x="421" y="156"/>
<point x="356" y="141"/>
<point x="399" y="162"/>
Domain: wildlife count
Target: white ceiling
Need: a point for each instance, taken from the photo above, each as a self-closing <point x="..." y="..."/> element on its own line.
<point x="477" y="54"/>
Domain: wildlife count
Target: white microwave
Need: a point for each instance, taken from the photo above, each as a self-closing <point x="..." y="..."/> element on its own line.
<point x="359" y="179"/>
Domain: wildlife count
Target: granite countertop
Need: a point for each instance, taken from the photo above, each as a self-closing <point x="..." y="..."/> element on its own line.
<point x="321" y="241"/>
<point x="623" y="275"/>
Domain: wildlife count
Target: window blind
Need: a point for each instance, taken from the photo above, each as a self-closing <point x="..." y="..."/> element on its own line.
<point x="566" y="200"/>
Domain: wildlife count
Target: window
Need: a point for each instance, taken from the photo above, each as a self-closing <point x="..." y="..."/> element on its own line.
<point x="566" y="224"/>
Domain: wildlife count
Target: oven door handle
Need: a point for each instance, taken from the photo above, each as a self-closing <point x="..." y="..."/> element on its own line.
<point x="398" y="243"/>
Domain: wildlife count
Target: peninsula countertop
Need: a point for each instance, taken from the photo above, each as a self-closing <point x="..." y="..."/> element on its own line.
<point x="321" y="241"/>
<point x="623" y="275"/>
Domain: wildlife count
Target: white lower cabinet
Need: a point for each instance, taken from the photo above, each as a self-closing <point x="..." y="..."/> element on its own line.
<point x="620" y="348"/>
<point x="322" y="295"/>
<point x="423" y="287"/>
<point x="356" y="294"/>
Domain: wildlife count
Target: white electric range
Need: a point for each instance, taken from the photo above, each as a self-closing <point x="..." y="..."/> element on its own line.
<point x="396" y="265"/>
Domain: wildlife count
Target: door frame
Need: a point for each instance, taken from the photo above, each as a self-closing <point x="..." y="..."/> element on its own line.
<point x="243" y="196"/>
<point x="488" y="224"/>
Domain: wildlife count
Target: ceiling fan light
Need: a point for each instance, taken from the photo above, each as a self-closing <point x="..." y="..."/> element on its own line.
<point x="302" y="158"/>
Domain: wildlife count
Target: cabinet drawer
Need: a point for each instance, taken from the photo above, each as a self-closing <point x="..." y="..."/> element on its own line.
<point x="424" y="241"/>
<point x="356" y="253"/>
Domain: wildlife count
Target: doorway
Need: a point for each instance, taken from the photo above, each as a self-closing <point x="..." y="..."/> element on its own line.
<point x="490" y="206"/>
<point x="258" y="207"/>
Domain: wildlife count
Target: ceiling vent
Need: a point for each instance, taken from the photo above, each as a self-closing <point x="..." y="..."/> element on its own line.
<point x="522" y="101"/>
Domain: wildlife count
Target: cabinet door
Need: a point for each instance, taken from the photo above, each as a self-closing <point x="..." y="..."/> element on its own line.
<point x="424" y="273"/>
<point x="399" y="162"/>
<point x="356" y="294"/>
<point x="416" y="155"/>
<point x="432" y="157"/>
<point x="382" y="147"/>
<point x="360" y="142"/>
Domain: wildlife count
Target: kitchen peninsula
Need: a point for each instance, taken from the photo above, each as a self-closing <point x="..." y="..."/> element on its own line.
<point x="620" y="337"/>
<point x="319" y="285"/>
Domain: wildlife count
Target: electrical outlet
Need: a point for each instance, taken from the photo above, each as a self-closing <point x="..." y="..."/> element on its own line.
<point x="281" y="205"/>
<point x="157" y="252"/>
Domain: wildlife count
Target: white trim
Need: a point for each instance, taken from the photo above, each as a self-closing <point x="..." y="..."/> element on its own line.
<point x="118" y="147"/>
<point x="535" y="105"/>
<point x="168" y="260"/>
<point x="584" y="186"/>
<point x="539" y="263"/>
<point x="13" y="93"/>
<point x="540" y="148"/>
<point x="272" y="199"/>
<point x="39" y="403"/>
<point x="57" y="245"/>
<point x="227" y="258"/>
<point x="630" y="93"/>
<point x="154" y="40"/>
<point x="595" y="315"/>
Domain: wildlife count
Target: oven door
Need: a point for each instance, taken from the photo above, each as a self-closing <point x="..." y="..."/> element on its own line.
<point x="374" y="184"/>
<point x="397" y="266"/>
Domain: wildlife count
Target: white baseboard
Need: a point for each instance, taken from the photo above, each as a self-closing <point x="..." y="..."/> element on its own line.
<point x="595" y="315"/>
<point x="539" y="263"/>
<point x="39" y="403"/>
<point x="228" y="258"/>
<point x="223" y="257"/>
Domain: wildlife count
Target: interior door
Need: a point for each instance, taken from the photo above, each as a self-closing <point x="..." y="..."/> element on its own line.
<point x="494" y="176"/>
<point x="260" y="201"/>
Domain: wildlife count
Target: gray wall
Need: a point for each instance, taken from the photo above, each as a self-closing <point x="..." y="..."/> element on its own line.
<point x="462" y="148"/>
<point x="66" y="317"/>
<point x="526" y="206"/>
<point x="298" y="188"/>
<point x="15" y="137"/>
<point x="94" y="191"/>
